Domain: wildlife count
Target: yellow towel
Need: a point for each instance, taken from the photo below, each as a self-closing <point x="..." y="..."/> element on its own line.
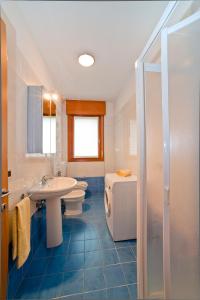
<point x="21" y="231"/>
<point x="124" y="172"/>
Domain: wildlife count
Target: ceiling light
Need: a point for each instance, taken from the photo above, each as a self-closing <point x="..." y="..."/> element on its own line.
<point x="86" y="60"/>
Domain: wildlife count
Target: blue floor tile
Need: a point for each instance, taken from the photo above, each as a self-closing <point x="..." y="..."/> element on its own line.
<point x="42" y="251"/>
<point x="56" y="264"/>
<point x="61" y="250"/>
<point x="29" y="288"/>
<point x="72" y="283"/>
<point x="94" y="279"/>
<point x="87" y="265"/>
<point x="110" y="257"/>
<point x="91" y="234"/>
<point x="92" y="245"/>
<point x="122" y="244"/>
<point x="134" y="249"/>
<point x="50" y="286"/>
<point x="119" y="293"/>
<point x="130" y="272"/>
<point x="114" y="276"/>
<point x="76" y="247"/>
<point x="75" y="262"/>
<point x="66" y="237"/>
<point x="125" y="254"/>
<point x="107" y="243"/>
<point x="77" y="236"/>
<point x="73" y="297"/>
<point x="38" y="267"/>
<point x="133" y="291"/>
<point x="93" y="259"/>
<point x="98" y="295"/>
<point x="133" y="242"/>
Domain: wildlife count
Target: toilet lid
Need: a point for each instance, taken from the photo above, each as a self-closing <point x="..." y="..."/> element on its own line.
<point x="74" y="194"/>
<point x="82" y="184"/>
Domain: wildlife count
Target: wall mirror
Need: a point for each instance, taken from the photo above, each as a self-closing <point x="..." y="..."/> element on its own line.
<point x="41" y="121"/>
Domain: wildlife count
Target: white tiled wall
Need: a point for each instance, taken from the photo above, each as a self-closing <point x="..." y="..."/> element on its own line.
<point x="25" y="170"/>
<point x="125" y="129"/>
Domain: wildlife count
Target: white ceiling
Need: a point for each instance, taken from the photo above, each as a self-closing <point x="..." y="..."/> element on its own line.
<point x="114" y="32"/>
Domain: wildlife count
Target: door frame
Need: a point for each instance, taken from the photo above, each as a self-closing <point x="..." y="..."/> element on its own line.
<point x="4" y="164"/>
<point x="140" y="67"/>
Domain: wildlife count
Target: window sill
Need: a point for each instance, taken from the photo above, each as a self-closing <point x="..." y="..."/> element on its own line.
<point x="85" y="159"/>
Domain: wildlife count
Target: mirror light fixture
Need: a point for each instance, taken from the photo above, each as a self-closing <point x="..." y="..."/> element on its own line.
<point x="86" y="60"/>
<point x="48" y="96"/>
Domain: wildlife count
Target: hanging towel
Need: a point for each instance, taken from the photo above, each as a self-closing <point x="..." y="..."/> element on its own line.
<point x="21" y="231"/>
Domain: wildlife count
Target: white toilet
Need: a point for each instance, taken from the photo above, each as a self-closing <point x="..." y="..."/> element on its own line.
<point x="73" y="202"/>
<point x="81" y="185"/>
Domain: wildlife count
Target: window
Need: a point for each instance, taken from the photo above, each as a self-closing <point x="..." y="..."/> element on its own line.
<point x="85" y="138"/>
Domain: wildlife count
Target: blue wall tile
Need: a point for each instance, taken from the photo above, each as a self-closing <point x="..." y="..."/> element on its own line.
<point x="16" y="276"/>
<point x="95" y="184"/>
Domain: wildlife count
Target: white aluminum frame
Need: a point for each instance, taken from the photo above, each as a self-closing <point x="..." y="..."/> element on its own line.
<point x="166" y="136"/>
<point x="142" y="67"/>
<point x="166" y="162"/>
<point x="141" y="170"/>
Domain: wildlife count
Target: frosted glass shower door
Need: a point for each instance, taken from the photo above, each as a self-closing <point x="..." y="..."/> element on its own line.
<point x="153" y="185"/>
<point x="181" y="58"/>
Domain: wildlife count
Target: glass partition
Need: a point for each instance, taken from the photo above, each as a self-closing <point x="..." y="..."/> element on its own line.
<point x="184" y="92"/>
<point x="154" y="184"/>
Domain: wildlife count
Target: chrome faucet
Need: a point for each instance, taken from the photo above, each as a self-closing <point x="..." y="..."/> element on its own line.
<point x="44" y="179"/>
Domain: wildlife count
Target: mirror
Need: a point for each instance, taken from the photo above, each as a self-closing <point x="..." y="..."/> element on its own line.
<point x="41" y="121"/>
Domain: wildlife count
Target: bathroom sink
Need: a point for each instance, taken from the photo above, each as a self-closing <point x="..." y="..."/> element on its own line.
<point x="52" y="191"/>
<point x="55" y="187"/>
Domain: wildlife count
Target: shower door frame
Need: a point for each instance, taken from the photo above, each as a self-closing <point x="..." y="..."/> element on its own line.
<point x="141" y="199"/>
<point x="140" y="67"/>
<point x="166" y="135"/>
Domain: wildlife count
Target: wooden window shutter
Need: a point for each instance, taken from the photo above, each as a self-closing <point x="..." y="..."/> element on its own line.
<point x="85" y="108"/>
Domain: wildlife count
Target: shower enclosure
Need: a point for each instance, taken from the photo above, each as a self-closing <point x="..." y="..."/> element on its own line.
<point x="168" y="90"/>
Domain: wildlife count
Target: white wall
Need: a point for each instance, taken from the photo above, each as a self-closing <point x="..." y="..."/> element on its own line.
<point x="125" y="128"/>
<point x="25" y="170"/>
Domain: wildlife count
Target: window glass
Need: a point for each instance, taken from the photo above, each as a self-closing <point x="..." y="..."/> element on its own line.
<point x="86" y="136"/>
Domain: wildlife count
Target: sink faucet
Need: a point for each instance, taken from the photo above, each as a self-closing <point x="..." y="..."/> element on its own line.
<point x="44" y="179"/>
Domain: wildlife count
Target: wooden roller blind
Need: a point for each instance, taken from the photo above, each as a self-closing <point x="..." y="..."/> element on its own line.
<point x="85" y="108"/>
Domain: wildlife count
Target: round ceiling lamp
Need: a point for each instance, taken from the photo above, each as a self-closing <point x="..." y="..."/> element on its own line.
<point x="86" y="60"/>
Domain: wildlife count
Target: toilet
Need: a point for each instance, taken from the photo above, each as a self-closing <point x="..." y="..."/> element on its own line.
<point x="81" y="185"/>
<point x="73" y="202"/>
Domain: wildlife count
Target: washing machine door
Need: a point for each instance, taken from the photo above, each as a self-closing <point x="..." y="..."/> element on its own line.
<point x="107" y="202"/>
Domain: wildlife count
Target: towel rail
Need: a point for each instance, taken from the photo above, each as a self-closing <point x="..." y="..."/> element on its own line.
<point x="24" y="195"/>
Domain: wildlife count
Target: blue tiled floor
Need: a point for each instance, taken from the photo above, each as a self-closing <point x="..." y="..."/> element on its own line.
<point x="88" y="265"/>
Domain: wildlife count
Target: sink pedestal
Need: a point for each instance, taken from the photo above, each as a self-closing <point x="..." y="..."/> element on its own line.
<point x="54" y="222"/>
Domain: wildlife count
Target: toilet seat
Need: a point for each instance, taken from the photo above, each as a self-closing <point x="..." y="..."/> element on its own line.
<point x="73" y="202"/>
<point x="82" y="185"/>
<point x="74" y="196"/>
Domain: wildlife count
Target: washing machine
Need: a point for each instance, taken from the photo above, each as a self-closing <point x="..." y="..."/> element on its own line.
<point x="120" y="200"/>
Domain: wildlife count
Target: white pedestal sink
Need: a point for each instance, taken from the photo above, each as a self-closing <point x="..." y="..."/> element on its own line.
<point x="52" y="191"/>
